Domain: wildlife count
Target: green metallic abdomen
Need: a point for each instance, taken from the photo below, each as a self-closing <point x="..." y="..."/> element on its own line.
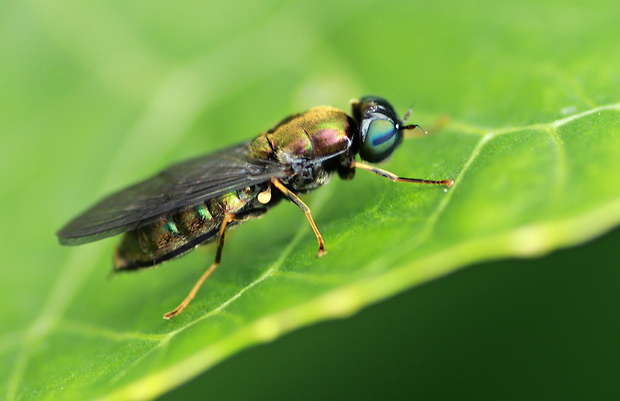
<point x="181" y="231"/>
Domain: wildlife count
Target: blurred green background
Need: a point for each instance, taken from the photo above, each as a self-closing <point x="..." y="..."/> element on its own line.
<point x="97" y="94"/>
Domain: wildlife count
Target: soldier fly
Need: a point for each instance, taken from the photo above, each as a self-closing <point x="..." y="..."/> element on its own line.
<point x="196" y="201"/>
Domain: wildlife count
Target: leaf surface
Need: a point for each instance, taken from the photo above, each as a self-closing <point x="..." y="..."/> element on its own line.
<point x="533" y="143"/>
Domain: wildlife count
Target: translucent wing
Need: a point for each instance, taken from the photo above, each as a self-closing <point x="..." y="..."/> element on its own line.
<point x="180" y="185"/>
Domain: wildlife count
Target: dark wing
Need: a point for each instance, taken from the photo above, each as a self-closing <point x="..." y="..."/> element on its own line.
<point x="180" y="185"/>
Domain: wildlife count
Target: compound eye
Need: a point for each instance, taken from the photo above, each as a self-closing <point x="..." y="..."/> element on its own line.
<point x="380" y="139"/>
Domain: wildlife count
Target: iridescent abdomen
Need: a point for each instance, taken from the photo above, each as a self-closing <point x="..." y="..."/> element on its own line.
<point x="185" y="229"/>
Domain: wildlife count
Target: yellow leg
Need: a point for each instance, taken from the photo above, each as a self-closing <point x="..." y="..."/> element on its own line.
<point x="304" y="208"/>
<point x="394" y="177"/>
<point x="218" y="256"/>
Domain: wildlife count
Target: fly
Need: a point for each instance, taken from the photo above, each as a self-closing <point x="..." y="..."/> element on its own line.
<point x="196" y="201"/>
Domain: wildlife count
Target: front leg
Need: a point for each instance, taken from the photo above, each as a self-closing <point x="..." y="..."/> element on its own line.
<point x="391" y="176"/>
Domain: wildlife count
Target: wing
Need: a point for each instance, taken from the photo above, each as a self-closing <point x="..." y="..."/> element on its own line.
<point x="182" y="184"/>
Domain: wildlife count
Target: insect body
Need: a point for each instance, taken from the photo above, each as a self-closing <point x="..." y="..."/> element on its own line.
<point x="196" y="201"/>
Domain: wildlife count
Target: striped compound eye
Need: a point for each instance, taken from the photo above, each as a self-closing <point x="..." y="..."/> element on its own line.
<point x="379" y="128"/>
<point x="379" y="139"/>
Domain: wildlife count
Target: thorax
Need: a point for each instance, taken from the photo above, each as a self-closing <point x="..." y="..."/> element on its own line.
<point x="313" y="145"/>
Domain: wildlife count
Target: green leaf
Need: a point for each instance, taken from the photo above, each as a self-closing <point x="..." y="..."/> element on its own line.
<point x="98" y="95"/>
